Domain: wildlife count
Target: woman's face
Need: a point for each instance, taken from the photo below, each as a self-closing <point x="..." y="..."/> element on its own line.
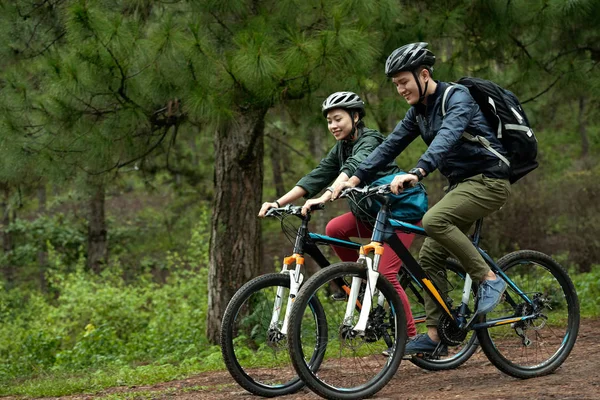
<point x="339" y="123"/>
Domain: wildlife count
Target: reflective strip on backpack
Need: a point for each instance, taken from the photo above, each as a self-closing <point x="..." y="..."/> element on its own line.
<point x="522" y="128"/>
<point x="499" y="129"/>
<point x="485" y="143"/>
<point x="517" y="115"/>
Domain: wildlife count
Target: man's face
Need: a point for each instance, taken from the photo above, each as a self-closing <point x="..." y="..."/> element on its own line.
<point x="407" y="86"/>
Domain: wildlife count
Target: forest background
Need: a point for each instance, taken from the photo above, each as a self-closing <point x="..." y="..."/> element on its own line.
<point x="138" y="139"/>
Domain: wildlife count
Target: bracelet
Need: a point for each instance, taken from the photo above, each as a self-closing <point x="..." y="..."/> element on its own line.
<point x="278" y="205"/>
<point x="330" y="188"/>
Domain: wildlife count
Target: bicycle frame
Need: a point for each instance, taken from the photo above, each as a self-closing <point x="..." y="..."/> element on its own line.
<point x="383" y="232"/>
<point x="307" y="243"/>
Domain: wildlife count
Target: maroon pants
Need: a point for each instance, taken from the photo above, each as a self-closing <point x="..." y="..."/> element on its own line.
<point x="346" y="226"/>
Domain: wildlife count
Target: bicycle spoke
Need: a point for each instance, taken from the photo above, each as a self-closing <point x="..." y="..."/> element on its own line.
<point x="255" y="350"/>
<point x="352" y="363"/>
<point x="539" y="345"/>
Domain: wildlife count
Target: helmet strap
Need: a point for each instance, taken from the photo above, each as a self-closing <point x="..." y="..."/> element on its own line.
<point x="422" y="93"/>
<point x="353" y="131"/>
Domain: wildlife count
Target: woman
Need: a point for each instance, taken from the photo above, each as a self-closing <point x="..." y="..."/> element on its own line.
<point x="344" y="112"/>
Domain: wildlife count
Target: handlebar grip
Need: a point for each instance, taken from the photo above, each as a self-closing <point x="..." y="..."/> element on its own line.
<point x="319" y="206"/>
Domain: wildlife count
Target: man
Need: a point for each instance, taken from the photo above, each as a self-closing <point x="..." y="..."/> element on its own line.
<point x="478" y="176"/>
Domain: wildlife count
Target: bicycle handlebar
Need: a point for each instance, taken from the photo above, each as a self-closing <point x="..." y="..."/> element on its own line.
<point x="291" y="210"/>
<point x="366" y="190"/>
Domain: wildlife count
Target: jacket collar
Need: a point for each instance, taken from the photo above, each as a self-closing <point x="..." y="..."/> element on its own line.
<point x="432" y="99"/>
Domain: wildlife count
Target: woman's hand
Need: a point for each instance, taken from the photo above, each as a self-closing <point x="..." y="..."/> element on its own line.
<point x="312" y="202"/>
<point x="339" y="187"/>
<point x="265" y="207"/>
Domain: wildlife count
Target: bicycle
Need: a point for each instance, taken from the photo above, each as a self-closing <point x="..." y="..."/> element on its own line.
<point x="254" y="318"/>
<point x="539" y="296"/>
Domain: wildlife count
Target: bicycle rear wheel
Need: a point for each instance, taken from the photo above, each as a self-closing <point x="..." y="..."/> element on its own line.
<point x="459" y="354"/>
<point x="254" y="350"/>
<point x="353" y="366"/>
<point x="538" y="346"/>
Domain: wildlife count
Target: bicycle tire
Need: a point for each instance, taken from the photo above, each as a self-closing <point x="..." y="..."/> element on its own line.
<point x="338" y="369"/>
<point x="470" y="346"/>
<point x="257" y="380"/>
<point x="502" y="347"/>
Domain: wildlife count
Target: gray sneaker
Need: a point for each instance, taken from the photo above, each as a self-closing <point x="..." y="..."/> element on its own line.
<point x="422" y="344"/>
<point x="489" y="295"/>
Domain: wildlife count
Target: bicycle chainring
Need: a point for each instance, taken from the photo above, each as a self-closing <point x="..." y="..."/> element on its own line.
<point x="449" y="333"/>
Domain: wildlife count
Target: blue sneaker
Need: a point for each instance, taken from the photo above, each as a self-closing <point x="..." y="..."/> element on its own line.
<point x="489" y="295"/>
<point x="423" y="344"/>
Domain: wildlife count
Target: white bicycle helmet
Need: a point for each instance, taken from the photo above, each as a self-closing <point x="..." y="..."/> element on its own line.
<point x="345" y="100"/>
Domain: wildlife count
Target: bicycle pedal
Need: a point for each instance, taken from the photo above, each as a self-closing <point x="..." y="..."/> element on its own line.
<point x="340" y="296"/>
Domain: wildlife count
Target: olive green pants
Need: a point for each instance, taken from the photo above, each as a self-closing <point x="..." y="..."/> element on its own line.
<point x="447" y="224"/>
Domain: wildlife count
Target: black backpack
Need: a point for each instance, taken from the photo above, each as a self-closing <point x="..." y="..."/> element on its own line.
<point x="503" y="111"/>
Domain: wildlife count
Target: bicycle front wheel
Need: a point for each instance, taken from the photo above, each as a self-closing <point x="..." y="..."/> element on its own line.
<point x="353" y="366"/>
<point x="532" y="347"/>
<point x="253" y="346"/>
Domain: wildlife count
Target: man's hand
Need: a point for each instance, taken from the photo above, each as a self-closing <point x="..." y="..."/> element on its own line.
<point x="265" y="207"/>
<point x="402" y="182"/>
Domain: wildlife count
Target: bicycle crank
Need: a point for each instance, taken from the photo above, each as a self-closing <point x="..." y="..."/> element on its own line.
<point x="449" y="333"/>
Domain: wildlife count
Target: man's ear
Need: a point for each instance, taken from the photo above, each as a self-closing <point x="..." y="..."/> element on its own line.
<point x="425" y="74"/>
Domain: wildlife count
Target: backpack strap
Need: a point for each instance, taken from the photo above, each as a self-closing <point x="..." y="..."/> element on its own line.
<point x="479" y="139"/>
<point x="485" y="143"/>
<point x="444" y="97"/>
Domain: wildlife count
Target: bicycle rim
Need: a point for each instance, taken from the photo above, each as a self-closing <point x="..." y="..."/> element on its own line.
<point x="254" y="350"/>
<point x="353" y="366"/>
<point x="538" y="346"/>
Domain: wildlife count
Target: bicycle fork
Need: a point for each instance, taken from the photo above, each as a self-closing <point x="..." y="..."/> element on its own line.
<point x="296" y="278"/>
<point x="370" y="289"/>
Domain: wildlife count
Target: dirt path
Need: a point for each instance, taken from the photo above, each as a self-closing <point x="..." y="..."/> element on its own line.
<point x="578" y="378"/>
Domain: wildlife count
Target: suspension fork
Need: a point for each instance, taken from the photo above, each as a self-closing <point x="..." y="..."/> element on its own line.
<point x="296" y="279"/>
<point x="370" y="289"/>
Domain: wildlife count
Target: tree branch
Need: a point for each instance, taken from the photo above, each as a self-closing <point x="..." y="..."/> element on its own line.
<point x="544" y="91"/>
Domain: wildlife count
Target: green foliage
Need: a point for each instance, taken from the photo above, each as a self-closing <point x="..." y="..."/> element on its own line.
<point x="33" y="236"/>
<point x="101" y="321"/>
<point x="136" y="88"/>
<point x="588" y="290"/>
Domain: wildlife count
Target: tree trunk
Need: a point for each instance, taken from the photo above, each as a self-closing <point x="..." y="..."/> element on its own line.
<point x="316" y="141"/>
<point x="277" y="171"/>
<point x="235" y="230"/>
<point x="43" y="253"/>
<point x="7" y="269"/>
<point x="582" y="122"/>
<point x="97" y="235"/>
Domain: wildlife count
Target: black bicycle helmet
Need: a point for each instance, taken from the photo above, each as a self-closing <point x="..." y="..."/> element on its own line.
<point x="408" y="58"/>
<point x="346" y="100"/>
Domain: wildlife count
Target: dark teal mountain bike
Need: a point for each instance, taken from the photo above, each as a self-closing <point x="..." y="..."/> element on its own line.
<point x="254" y="327"/>
<point x="530" y="333"/>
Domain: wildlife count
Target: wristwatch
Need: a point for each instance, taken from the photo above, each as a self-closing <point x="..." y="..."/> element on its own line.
<point x="417" y="172"/>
